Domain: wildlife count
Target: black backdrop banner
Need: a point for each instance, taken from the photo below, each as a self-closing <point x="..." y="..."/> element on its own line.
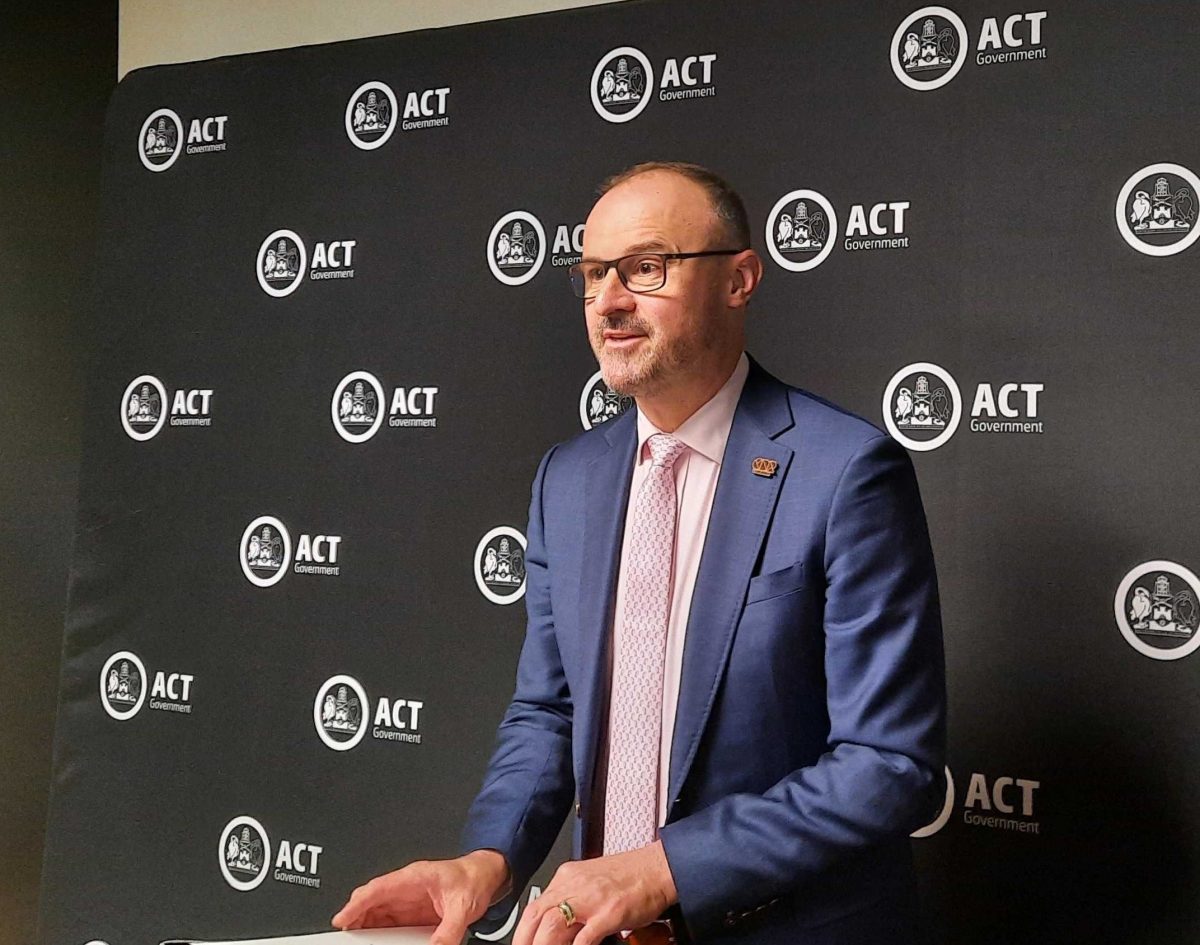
<point x="333" y="335"/>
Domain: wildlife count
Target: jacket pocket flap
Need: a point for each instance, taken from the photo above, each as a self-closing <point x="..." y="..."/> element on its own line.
<point x="775" y="583"/>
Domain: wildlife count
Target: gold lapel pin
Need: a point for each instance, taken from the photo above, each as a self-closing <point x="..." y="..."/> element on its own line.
<point x="761" y="466"/>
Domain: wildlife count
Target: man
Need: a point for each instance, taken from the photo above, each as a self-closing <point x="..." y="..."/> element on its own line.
<point x="733" y="661"/>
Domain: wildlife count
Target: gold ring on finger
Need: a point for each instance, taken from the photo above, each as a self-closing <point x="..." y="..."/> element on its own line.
<point x="568" y="913"/>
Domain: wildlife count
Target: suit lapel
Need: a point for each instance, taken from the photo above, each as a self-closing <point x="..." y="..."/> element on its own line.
<point x="742" y="508"/>
<point x="607" y="496"/>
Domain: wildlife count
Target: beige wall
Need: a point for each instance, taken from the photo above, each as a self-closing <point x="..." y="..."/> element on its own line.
<point x="158" y="31"/>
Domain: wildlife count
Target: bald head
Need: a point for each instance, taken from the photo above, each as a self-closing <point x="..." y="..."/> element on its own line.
<point x="654" y="211"/>
<point x="733" y="227"/>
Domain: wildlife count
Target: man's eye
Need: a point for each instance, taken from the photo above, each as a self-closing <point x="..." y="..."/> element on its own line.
<point x="594" y="273"/>
<point x="647" y="267"/>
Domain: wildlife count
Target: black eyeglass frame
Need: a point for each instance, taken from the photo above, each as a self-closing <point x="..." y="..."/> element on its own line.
<point x="576" y="274"/>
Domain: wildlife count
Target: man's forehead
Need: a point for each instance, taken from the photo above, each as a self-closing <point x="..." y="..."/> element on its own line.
<point x="655" y="207"/>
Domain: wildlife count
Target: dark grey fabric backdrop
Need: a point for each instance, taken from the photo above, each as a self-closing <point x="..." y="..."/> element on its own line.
<point x="996" y="203"/>
<point x="57" y="68"/>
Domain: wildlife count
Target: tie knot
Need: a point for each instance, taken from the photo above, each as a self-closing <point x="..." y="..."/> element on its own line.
<point x="665" y="449"/>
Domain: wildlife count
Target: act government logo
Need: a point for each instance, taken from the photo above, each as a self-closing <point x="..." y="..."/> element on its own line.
<point x="599" y="403"/>
<point x="929" y="48"/>
<point x="374" y="111"/>
<point x="922" y="406"/>
<point x="998" y="802"/>
<point x="265" y="552"/>
<point x="1156" y="209"/>
<point x="357" y="408"/>
<point x="161" y="139"/>
<point x="340" y="712"/>
<point x="802" y="228"/>
<point x="283" y="262"/>
<point x="1157" y="606"/>
<point x="124" y="683"/>
<point x="145" y="407"/>
<point x="622" y="82"/>
<point x="359" y="405"/>
<point x="371" y="115"/>
<point x="343" y="715"/>
<point x="500" y="565"/>
<point x="244" y="852"/>
<point x="516" y="247"/>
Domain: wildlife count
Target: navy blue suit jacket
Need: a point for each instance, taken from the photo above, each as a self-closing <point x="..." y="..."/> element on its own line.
<point x="810" y="729"/>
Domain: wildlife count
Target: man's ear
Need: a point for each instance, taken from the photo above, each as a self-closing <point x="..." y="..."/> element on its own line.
<point x="746" y="274"/>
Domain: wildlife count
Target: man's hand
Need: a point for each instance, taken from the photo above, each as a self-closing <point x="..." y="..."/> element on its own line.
<point x="450" y="894"/>
<point x="608" y="894"/>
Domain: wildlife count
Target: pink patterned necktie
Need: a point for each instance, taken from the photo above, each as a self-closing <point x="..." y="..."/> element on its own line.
<point x="635" y="716"/>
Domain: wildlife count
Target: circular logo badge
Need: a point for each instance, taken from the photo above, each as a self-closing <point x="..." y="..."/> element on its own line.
<point x="371" y="115"/>
<point x="144" y="407"/>
<point x="929" y="48"/>
<point x="123" y="685"/>
<point x="244" y="853"/>
<point x="340" y="712"/>
<point x="357" y="408"/>
<point x="516" y="247"/>
<point x="500" y="565"/>
<point x="801" y="230"/>
<point x="1157" y="607"/>
<point x="942" y="818"/>
<point x="266" y="551"/>
<point x="622" y="84"/>
<point x="1156" y="209"/>
<point x="282" y="262"/>
<point x="922" y="406"/>
<point x="160" y="140"/>
<point x="599" y="403"/>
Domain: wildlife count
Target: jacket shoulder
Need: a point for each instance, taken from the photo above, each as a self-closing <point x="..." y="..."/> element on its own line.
<point x="578" y="451"/>
<point x="817" y="417"/>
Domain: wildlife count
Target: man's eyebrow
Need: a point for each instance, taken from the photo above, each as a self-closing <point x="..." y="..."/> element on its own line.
<point x="646" y="246"/>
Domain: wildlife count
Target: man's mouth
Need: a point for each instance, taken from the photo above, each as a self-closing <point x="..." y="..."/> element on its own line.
<point x="621" y="339"/>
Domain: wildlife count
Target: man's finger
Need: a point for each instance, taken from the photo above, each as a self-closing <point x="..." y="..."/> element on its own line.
<point x="605" y="921"/>
<point x="593" y="933"/>
<point x="529" y="920"/>
<point x="553" y="929"/>
<point x="356" y="906"/>
<point x="452" y="928"/>
<point x="349" y="912"/>
<point x="358" y="921"/>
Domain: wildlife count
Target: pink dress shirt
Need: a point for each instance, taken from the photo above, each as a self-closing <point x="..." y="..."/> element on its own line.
<point x="705" y="432"/>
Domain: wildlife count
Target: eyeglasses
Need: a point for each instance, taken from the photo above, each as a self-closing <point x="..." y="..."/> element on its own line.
<point x="638" y="272"/>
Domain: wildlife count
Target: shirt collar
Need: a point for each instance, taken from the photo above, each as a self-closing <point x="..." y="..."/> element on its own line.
<point x="706" y="430"/>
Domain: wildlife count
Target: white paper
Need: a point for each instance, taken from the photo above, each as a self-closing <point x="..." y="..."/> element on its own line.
<point x="413" y="935"/>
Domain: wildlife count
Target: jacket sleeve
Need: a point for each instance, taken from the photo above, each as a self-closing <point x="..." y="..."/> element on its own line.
<point x="881" y="776"/>
<point x="528" y="786"/>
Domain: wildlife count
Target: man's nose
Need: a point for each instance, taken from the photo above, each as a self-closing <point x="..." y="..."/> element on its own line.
<point x="612" y="295"/>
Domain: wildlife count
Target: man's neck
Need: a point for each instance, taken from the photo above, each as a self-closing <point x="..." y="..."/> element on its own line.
<point x="669" y="408"/>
